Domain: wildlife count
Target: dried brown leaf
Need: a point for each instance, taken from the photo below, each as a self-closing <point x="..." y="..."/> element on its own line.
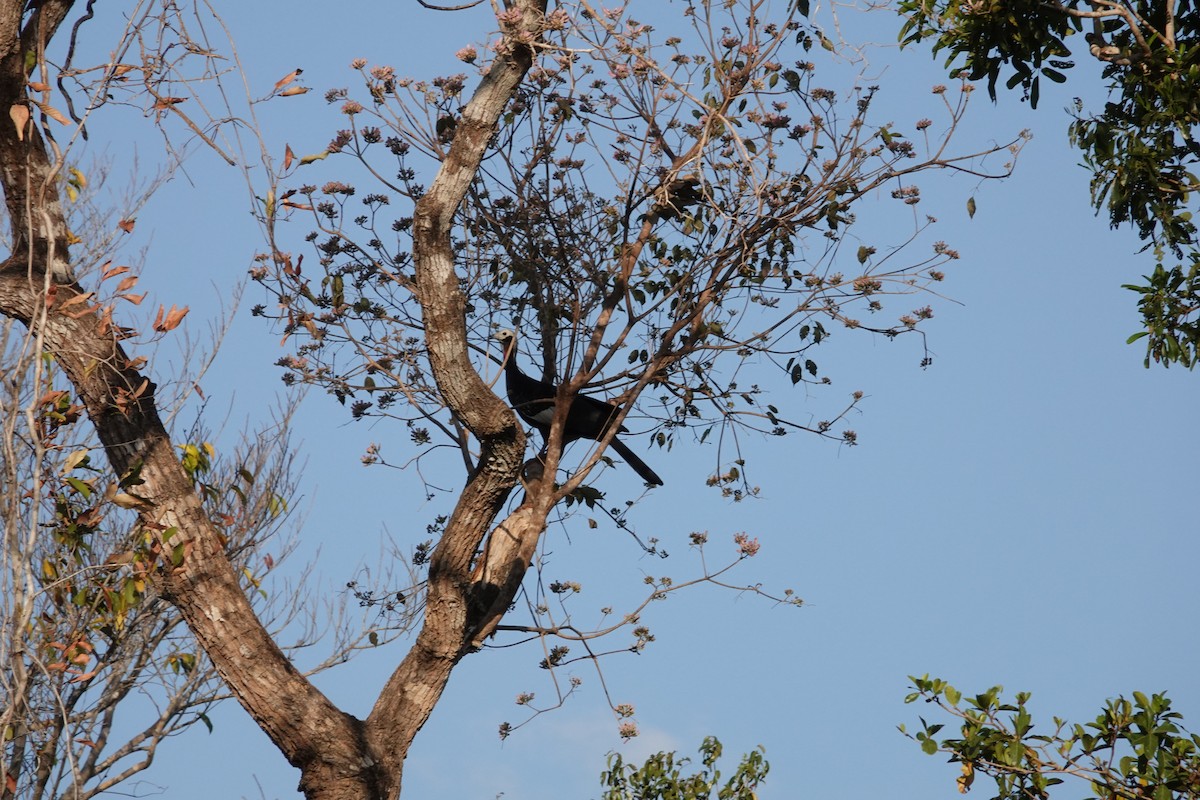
<point x="19" y="112"/>
<point x="52" y="112"/>
<point x="286" y="79"/>
<point x="171" y="320"/>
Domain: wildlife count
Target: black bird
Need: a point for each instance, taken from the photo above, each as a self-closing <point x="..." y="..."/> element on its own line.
<point x="588" y="417"/>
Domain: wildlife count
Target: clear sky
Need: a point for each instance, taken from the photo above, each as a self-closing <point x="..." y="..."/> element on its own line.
<point x="1021" y="512"/>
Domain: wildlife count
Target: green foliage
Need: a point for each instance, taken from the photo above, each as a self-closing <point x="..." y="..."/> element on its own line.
<point x="662" y="778"/>
<point x="1139" y="147"/>
<point x="1168" y="303"/>
<point x="1133" y="749"/>
<point x="1027" y="36"/>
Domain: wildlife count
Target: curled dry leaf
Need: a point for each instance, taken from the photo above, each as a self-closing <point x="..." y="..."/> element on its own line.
<point x="288" y="157"/>
<point x="19" y="113"/>
<point x="286" y="79"/>
<point x="74" y="460"/>
<point x="127" y="225"/>
<point x="171" y="320"/>
<point x="294" y="90"/>
<point x="52" y="112"/>
<point x="109" y="271"/>
<point x="76" y="300"/>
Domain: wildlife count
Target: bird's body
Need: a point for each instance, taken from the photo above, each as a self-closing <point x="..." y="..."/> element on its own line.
<point x="588" y="418"/>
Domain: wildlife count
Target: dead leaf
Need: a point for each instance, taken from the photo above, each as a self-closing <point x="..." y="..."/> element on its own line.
<point x="19" y="113"/>
<point x="38" y="86"/>
<point x="110" y="271"/>
<point x="52" y="112"/>
<point x="171" y="320"/>
<point x="293" y="91"/>
<point x="288" y="157"/>
<point x="74" y="460"/>
<point x="76" y="300"/>
<point x="121" y="69"/>
<point x="286" y="79"/>
<point x="163" y="103"/>
<point x="127" y="283"/>
<point x="297" y="206"/>
<point x="136" y="299"/>
<point x="965" y="780"/>
<point x="50" y="397"/>
<point x="127" y="224"/>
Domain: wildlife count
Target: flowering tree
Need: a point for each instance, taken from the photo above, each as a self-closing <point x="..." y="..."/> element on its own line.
<point x="666" y="220"/>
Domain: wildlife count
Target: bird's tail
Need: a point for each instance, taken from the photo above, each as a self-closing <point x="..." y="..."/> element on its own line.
<point x="640" y="467"/>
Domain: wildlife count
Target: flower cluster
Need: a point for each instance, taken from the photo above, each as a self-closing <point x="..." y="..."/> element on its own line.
<point x="747" y="547"/>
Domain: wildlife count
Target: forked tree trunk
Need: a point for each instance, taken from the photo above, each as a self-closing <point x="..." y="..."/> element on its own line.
<point x="340" y="757"/>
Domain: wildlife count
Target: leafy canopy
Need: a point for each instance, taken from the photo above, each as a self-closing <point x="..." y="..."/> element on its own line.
<point x="1139" y="146"/>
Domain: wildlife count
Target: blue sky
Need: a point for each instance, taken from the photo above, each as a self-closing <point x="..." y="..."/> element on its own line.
<point x="1021" y="512"/>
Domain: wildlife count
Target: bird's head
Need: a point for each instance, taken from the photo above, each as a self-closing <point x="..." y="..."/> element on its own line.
<point x="505" y="337"/>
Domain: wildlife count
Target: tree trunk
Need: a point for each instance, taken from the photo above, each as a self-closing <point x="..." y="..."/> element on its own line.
<point x="340" y="757"/>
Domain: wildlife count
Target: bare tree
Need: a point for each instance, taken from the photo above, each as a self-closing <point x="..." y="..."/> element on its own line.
<point x="666" y="216"/>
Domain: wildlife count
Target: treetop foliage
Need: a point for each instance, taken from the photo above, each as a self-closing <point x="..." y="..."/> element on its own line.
<point x="1140" y="145"/>
<point x="661" y="777"/>
<point x="1135" y="749"/>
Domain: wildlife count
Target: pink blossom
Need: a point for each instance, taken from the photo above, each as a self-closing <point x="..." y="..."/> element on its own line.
<point x="746" y="546"/>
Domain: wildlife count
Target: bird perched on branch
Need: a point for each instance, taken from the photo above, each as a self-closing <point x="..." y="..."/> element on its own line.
<point x="588" y="418"/>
